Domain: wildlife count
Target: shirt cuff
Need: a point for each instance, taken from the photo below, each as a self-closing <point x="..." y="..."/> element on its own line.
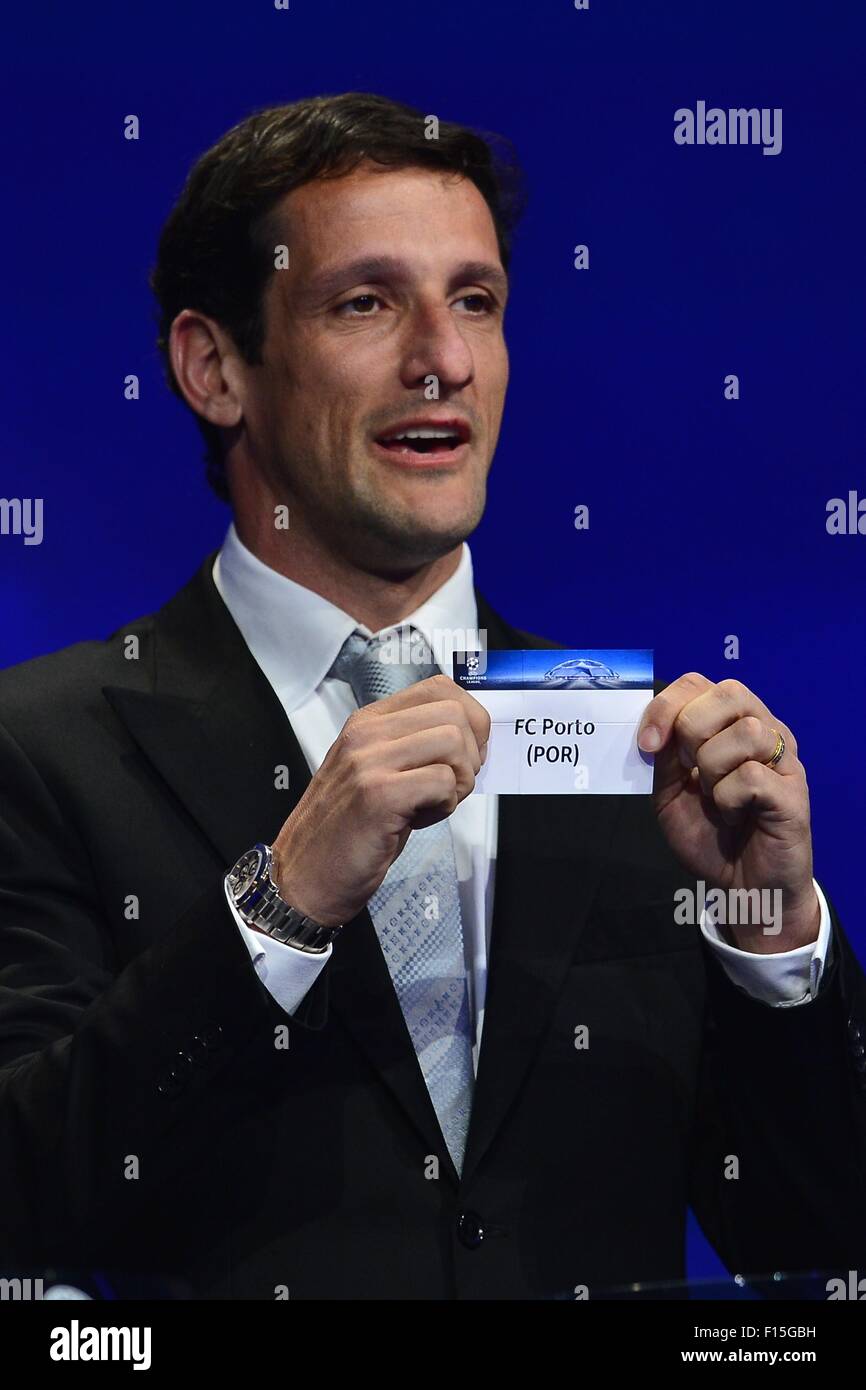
<point x="784" y="979"/>
<point x="286" y="973"/>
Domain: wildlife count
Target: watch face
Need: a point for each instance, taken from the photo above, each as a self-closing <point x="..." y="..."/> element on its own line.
<point x="245" y="872"/>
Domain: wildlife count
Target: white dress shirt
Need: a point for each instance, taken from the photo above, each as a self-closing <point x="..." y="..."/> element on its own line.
<point x="294" y="634"/>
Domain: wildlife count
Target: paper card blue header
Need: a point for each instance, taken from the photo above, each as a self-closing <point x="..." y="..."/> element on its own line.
<point x="552" y="668"/>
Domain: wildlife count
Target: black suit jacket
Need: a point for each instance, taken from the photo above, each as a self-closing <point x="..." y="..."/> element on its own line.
<point x="149" y="1121"/>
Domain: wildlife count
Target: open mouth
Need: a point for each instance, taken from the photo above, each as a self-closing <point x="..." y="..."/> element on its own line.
<point x="439" y="442"/>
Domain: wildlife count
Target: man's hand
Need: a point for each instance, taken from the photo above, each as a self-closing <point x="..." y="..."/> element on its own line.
<point x="399" y="764"/>
<point x="731" y="820"/>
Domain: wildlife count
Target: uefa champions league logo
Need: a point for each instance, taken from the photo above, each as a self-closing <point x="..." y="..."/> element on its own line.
<point x="581" y="672"/>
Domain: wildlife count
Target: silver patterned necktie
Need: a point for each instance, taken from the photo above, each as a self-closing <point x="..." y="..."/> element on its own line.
<point x="416" y="908"/>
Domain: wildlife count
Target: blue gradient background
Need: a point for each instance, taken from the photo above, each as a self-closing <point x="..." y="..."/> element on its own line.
<point x="707" y="516"/>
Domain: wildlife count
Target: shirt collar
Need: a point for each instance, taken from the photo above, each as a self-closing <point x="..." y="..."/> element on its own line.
<point x="295" y="634"/>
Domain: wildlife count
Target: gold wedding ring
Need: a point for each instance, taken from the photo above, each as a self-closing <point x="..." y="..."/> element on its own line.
<point x="777" y="756"/>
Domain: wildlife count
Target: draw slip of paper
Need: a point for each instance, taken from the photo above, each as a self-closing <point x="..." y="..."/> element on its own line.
<point x="561" y="721"/>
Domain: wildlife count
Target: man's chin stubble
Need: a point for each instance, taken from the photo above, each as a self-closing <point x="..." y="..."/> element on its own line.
<point x="385" y="543"/>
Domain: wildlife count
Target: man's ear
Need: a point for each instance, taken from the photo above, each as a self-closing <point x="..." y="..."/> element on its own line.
<point x="204" y="360"/>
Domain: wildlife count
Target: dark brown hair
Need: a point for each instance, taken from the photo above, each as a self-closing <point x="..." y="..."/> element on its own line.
<point x="216" y="250"/>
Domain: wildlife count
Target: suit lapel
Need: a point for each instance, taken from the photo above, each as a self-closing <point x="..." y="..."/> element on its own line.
<point x="211" y="724"/>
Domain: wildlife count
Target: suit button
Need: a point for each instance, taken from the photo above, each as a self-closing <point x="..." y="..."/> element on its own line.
<point x="860" y="1064"/>
<point x="858" y="1050"/>
<point x="470" y="1231"/>
<point x="855" y="1033"/>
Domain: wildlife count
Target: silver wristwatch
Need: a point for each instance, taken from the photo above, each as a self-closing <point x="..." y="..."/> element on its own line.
<point x="257" y="899"/>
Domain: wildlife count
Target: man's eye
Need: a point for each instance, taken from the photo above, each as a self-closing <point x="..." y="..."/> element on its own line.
<point x="477" y="304"/>
<point x="361" y="304"/>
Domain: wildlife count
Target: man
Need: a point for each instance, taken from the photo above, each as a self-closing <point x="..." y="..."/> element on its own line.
<point x="266" y="1027"/>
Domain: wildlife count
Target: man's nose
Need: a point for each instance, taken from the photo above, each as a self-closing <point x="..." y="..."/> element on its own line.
<point x="435" y="346"/>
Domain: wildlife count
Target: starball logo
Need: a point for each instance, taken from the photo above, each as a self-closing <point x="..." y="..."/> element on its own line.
<point x="736" y="126"/>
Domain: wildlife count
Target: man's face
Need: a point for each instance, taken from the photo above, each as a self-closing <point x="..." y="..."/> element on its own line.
<point x="394" y="295"/>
